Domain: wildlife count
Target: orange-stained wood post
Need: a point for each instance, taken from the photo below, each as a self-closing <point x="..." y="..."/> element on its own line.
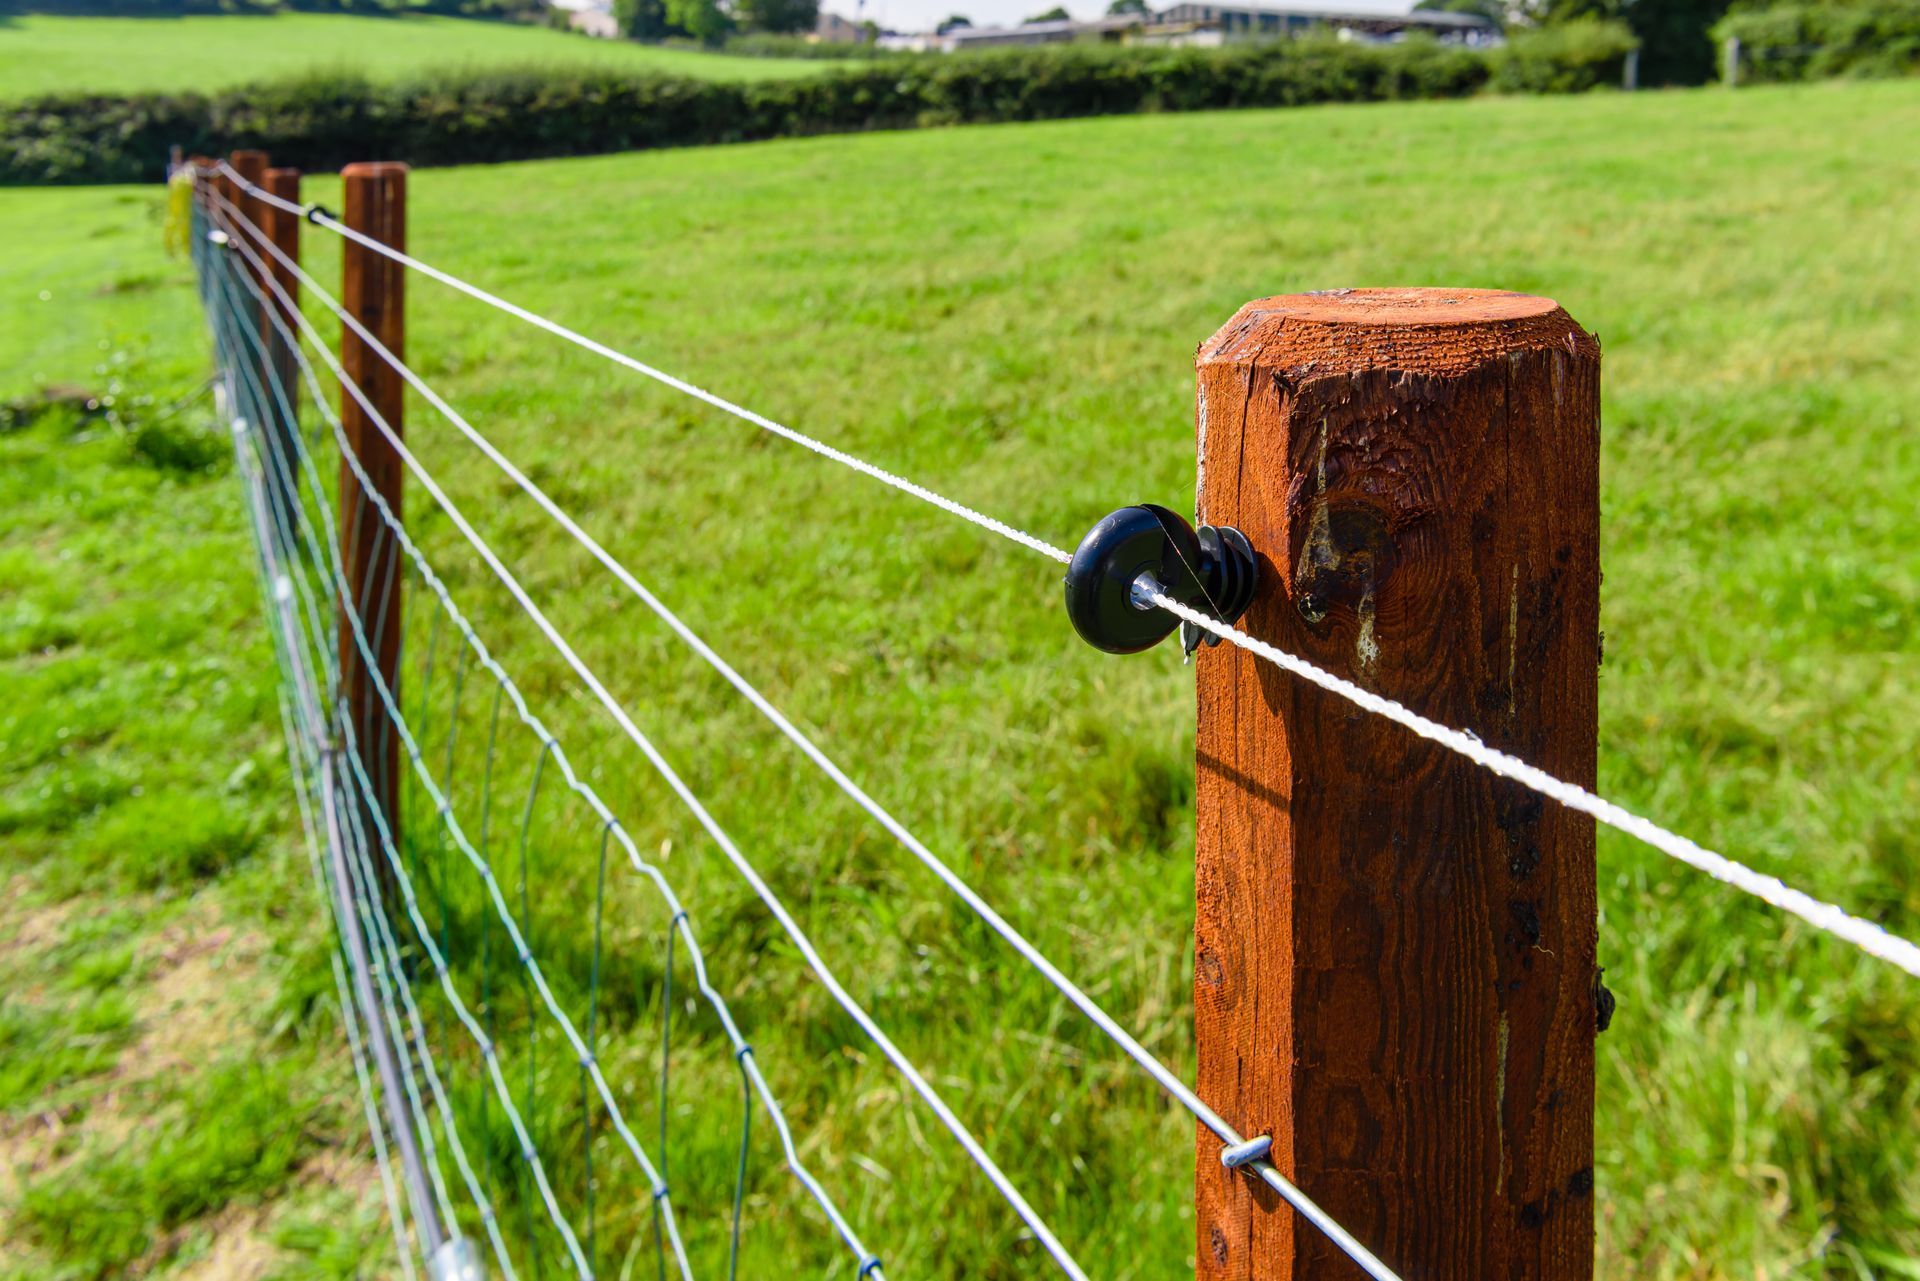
<point x="222" y="186"/>
<point x="269" y="404"/>
<point x="252" y="166"/>
<point x="374" y="293"/>
<point x="283" y="229"/>
<point x="1395" y="970"/>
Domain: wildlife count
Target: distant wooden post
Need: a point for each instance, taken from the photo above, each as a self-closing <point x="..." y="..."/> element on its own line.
<point x="219" y="216"/>
<point x="374" y="293"/>
<point x="222" y="185"/>
<point x="1730" y="62"/>
<point x="283" y="230"/>
<point x="1395" y="951"/>
<point x="252" y="166"/>
<point x="270" y="398"/>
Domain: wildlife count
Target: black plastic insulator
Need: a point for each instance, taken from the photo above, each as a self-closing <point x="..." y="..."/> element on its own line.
<point x="1212" y="570"/>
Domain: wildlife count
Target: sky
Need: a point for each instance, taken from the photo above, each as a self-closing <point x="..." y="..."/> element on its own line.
<point x="924" y="15"/>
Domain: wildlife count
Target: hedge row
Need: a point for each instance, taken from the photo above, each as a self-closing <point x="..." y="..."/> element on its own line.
<point x="321" y="123"/>
<point x="1814" y="41"/>
<point x="1569" y="57"/>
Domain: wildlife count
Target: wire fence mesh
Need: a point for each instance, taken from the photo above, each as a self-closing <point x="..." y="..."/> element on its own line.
<point x="486" y="954"/>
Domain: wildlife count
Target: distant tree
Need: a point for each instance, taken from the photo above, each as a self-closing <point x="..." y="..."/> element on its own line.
<point x="1055" y="14"/>
<point x="701" y="19"/>
<point x="1674" y="45"/>
<point x="643" y="19"/>
<point x="777" y="17"/>
<point x="1128" y="8"/>
<point x="954" y="23"/>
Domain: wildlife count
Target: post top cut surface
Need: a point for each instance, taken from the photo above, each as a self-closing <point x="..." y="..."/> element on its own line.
<point x="1409" y="306"/>
<point x="374" y="169"/>
<point x="1429" y="331"/>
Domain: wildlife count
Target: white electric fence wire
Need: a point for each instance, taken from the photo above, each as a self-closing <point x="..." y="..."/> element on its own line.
<point x="578" y="339"/>
<point x="921" y="1086"/>
<point x="1865" y="935"/>
<point x="1154" y="1068"/>
<point x="743" y="1051"/>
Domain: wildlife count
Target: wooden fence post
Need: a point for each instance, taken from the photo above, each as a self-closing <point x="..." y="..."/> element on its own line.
<point x="374" y="293"/>
<point x="283" y="229"/>
<point x="250" y="323"/>
<point x="1394" y="971"/>
<point x="272" y="408"/>
<point x="252" y="166"/>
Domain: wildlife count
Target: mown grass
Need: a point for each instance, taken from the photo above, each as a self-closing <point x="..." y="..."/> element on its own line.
<point x="46" y="53"/>
<point x="1010" y="313"/>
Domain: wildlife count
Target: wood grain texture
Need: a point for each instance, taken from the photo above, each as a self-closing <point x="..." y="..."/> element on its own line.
<point x="373" y="291"/>
<point x="1395" y="950"/>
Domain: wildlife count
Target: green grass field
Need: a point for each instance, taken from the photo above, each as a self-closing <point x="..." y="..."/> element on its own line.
<point x="42" y="53"/>
<point x="1003" y="313"/>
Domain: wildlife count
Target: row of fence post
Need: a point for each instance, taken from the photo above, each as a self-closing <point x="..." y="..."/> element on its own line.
<point x="1395" y="952"/>
<point x="373" y="293"/>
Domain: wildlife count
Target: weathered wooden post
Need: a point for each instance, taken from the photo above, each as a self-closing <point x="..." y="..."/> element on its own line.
<point x="374" y="293"/>
<point x="1395" y="970"/>
<point x="273" y="399"/>
<point x="251" y="166"/>
<point x="283" y="230"/>
<point x="249" y="320"/>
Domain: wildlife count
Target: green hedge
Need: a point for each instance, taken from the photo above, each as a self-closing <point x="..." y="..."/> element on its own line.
<point x="763" y="45"/>
<point x="321" y="123"/>
<point x="1814" y="41"/>
<point x="1568" y="57"/>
